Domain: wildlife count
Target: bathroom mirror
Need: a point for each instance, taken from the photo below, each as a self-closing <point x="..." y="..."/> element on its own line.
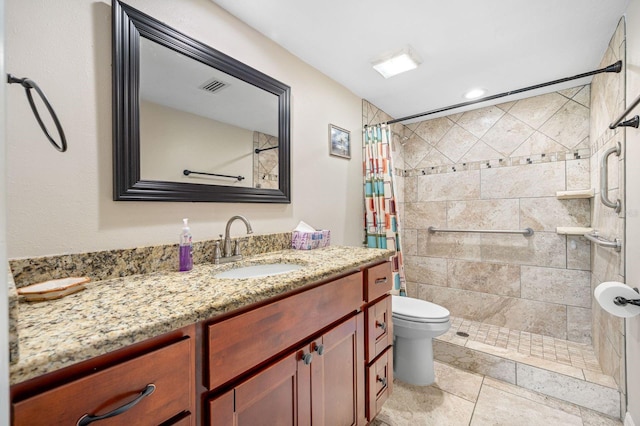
<point x="191" y="123"/>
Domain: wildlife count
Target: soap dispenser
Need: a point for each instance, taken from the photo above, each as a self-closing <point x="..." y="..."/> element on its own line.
<point x="186" y="247"/>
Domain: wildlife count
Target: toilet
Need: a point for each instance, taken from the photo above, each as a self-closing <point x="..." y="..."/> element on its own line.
<point x="415" y="323"/>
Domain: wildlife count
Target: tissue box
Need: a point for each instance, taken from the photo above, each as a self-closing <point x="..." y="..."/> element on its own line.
<point x="303" y="240"/>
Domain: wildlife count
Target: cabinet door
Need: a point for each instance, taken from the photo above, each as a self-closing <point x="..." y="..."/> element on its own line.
<point x="337" y="375"/>
<point x="379" y="382"/>
<point x="379" y="328"/>
<point x="278" y="395"/>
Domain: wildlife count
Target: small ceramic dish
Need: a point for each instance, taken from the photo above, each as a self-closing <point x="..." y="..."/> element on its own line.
<point x="53" y="289"/>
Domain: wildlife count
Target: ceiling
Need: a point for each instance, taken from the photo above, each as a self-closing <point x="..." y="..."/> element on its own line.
<point x="499" y="45"/>
<point x="175" y="80"/>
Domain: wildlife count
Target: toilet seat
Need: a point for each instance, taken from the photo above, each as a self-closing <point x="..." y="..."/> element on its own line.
<point x="417" y="310"/>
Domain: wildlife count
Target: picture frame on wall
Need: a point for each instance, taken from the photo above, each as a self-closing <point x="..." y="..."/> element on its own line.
<point x="339" y="142"/>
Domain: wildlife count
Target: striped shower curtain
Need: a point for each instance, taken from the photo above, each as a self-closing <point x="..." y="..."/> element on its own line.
<point x="382" y="228"/>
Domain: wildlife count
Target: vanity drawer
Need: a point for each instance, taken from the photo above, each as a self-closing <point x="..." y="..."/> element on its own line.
<point x="168" y="369"/>
<point x="379" y="328"/>
<point x="378" y="281"/>
<point x="379" y="383"/>
<point x="240" y="343"/>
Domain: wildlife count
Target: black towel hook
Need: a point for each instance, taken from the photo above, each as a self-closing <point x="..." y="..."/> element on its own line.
<point x="29" y="84"/>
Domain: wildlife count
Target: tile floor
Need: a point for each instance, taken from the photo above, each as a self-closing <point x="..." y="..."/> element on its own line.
<point x="545" y="347"/>
<point x="459" y="397"/>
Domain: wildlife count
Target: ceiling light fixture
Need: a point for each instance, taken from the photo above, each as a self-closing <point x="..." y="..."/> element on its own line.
<point x="396" y="63"/>
<point x="475" y="93"/>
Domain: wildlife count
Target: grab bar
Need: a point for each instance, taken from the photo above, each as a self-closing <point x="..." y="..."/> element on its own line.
<point x="191" y="172"/>
<point x="604" y="178"/>
<point x="629" y="123"/>
<point x="259" y="150"/>
<point x="616" y="244"/>
<point x="527" y="232"/>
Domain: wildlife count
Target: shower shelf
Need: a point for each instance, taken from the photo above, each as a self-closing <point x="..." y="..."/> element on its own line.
<point x="570" y="195"/>
<point x="573" y="230"/>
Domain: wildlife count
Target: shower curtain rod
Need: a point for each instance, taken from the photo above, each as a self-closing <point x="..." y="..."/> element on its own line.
<point x="616" y="67"/>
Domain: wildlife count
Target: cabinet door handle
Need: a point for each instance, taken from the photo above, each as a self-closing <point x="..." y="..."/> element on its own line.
<point x="319" y="349"/>
<point x="382" y="325"/>
<point x="382" y="380"/>
<point x="306" y="358"/>
<point x="382" y="280"/>
<point x="90" y="418"/>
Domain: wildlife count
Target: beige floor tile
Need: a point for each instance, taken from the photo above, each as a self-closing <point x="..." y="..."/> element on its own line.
<point x="497" y="407"/>
<point x="417" y="406"/>
<point x="457" y="382"/>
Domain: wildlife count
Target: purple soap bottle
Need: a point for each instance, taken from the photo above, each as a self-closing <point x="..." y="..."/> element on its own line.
<point x="186" y="248"/>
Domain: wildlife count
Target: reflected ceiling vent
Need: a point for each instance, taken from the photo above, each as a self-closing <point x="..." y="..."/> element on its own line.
<point x="213" y="86"/>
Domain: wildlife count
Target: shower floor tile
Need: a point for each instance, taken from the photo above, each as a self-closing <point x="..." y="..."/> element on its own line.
<point x="556" y="368"/>
<point x="546" y="348"/>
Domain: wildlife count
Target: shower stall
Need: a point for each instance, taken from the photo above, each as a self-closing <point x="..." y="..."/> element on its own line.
<point x="521" y="300"/>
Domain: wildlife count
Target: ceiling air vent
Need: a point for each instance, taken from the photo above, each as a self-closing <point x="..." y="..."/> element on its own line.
<point x="213" y="86"/>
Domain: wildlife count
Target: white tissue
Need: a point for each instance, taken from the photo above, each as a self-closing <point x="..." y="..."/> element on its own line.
<point x="606" y="292"/>
<point x="304" y="227"/>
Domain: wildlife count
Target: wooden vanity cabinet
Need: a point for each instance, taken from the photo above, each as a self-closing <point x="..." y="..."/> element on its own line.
<point x="320" y="355"/>
<point x="318" y="384"/>
<point x="240" y="343"/>
<point x="379" y="337"/>
<point x="158" y="374"/>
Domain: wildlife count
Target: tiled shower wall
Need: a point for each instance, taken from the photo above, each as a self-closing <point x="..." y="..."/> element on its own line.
<point x="500" y="167"/>
<point x="265" y="163"/>
<point x="608" y="101"/>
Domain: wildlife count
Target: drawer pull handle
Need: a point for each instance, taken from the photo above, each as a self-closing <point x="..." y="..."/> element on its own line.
<point x="382" y="280"/>
<point x="382" y="325"/>
<point x="382" y="380"/>
<point x="89" y="418"/>
<point x="306" y="358"/>
<point x="319" y="349"/>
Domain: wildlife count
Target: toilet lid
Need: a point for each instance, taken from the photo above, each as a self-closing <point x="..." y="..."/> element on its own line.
<point x="417" y="310"/>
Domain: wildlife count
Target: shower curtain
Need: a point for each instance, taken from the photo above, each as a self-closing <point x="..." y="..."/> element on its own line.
<point x="382" y="228"/>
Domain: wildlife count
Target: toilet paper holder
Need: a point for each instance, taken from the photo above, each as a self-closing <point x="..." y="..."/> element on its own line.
<point x="623" y="301"/>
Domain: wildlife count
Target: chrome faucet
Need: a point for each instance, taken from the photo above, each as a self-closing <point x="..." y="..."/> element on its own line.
<point x="229" y="255"/>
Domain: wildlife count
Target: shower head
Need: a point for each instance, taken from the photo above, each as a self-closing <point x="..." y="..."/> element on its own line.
<point x="403" y="139"/>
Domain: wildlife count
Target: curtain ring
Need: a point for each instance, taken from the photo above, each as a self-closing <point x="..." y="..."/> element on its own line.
<point x="29" y="84"/>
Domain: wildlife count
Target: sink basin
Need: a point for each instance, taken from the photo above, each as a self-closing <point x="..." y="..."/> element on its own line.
<point x="257" y="271"/>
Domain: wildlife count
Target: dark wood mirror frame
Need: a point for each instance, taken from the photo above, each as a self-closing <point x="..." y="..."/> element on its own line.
<point x="129" y="25"/>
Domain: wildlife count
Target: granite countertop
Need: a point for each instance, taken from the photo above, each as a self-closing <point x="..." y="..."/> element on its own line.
<point x="115" y="313"/>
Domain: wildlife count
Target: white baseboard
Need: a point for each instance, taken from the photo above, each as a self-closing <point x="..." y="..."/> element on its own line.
<point x="628" y="421"/>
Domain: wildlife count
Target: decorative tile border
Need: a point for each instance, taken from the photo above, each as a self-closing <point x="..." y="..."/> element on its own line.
<point x="500" y="162"/>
